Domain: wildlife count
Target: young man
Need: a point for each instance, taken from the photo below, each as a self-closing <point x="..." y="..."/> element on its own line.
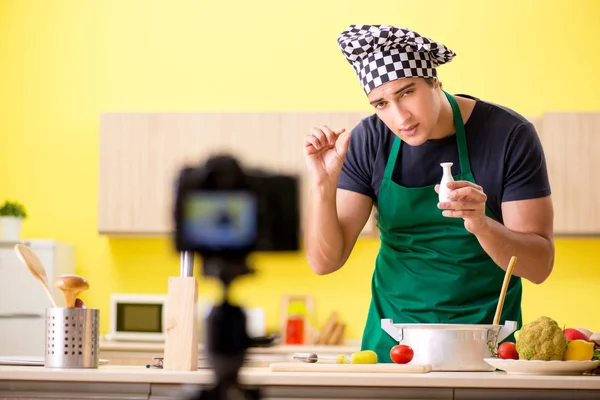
<point x="438" y="262"/>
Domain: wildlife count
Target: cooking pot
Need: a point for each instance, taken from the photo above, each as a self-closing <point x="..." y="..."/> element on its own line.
<point x="450" y="347"/>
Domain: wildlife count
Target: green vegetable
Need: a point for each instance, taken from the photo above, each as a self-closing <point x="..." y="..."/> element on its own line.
<point x="596" y="355"/>
<point x="541" y="339"/>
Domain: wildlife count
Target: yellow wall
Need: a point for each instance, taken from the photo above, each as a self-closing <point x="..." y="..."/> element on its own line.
<point x="62" y="63"/>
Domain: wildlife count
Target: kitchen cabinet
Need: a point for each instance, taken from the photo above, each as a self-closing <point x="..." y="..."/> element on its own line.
<point x="123" y="382"/>
<point x="571" y="143"/>
<point x="520" y="394"/>
<point x="306" y="392"/>
<point x="73" y="390"/>
<point x="141" y="154"/>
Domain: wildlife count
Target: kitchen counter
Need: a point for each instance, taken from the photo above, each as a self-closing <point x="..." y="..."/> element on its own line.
<point x="142" y="353"/>
<point x="130" y="382"/>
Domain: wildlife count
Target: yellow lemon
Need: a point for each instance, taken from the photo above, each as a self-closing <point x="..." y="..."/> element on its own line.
<point x="579" y="350"/>
<point x="364" y="357"/>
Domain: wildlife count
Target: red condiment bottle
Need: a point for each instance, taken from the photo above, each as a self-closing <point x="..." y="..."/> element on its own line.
<point x="295" y="324"/>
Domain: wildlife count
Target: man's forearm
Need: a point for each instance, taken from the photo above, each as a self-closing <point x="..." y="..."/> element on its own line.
<point x="535" y="254"/>
<point x="323" y="237"/>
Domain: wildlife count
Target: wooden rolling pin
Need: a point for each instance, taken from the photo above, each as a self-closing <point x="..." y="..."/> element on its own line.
<point x="337" y="335"/>
<point x="327" y="329"/>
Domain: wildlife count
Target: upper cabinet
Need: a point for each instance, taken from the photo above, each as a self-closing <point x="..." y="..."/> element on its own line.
<point x="141" y="155"/>
<point x="571" y="143"/>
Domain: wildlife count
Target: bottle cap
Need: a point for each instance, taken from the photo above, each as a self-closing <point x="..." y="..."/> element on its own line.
<point x="297" y="308"/>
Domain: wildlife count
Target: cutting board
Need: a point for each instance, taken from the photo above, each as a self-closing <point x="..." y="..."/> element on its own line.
<point x="332" y="367"/>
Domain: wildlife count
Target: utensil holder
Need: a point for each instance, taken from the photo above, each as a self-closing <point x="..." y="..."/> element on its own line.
<point x="71" y="337"/>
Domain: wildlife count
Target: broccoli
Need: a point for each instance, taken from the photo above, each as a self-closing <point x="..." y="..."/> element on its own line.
<point x="541" y="339"/>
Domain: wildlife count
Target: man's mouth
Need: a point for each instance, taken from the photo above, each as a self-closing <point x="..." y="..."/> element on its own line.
<point x="409" y="131"/>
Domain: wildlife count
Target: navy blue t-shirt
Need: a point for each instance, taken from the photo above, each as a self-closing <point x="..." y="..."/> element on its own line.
<point x="505" y="153"/>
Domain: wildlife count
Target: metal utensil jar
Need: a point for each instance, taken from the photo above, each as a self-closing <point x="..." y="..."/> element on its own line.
<point x="71" y="338"/>
<point x="450" y="347"/>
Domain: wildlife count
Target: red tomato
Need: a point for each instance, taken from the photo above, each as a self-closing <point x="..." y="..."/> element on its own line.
<point x="508" y="350"/>
<point x="401" y="354"/>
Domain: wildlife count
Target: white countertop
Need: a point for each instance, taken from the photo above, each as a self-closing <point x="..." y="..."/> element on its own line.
<point x="263" y="376"/>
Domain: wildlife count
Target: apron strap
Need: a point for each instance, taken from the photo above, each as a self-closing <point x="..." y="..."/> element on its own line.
<point x="461" y="136"/>
<point x="389" y="168"/>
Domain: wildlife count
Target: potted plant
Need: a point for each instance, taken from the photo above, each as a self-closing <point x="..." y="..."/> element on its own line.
<point x="12" y="214"/>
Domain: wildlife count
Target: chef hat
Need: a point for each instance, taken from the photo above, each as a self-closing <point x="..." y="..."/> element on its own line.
<point x="383" y="53"/>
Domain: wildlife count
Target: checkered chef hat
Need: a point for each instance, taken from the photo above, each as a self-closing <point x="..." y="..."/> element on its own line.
<point x="383" y="53"/>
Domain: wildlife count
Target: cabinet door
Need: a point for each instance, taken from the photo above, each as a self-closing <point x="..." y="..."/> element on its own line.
<point x="141" y="154"/>
<point x="72" y="390"/>
<point x="571" y="143"/>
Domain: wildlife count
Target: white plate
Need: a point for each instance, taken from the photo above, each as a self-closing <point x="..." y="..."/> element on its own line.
<point x="535" y="367"/>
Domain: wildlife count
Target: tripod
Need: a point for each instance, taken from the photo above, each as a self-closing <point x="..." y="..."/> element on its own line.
<point x="227" y="339"/>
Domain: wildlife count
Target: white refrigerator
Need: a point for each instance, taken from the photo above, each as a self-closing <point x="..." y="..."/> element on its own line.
<point x="23" y="301"/>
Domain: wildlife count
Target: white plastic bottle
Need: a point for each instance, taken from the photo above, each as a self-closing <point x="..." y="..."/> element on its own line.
<point x="446" y="177"/>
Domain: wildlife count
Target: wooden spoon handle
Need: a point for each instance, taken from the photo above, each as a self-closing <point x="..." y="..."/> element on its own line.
<point x="49" y="293"/>
<point x="70" y="298"/>
<point x="507" y="276"/>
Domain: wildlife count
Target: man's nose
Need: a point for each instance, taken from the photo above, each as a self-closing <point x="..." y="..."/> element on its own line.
<point x="401" y="116"/>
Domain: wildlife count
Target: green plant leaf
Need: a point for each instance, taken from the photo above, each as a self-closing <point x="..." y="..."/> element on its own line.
<point x="13" y="209"/>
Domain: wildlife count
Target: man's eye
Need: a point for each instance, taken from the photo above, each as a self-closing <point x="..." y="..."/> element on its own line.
<point x="407" y="92"/>
<point x="379" y="105"/>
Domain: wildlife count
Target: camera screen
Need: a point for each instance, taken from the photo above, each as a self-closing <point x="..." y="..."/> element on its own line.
<point x="220" y="219"/>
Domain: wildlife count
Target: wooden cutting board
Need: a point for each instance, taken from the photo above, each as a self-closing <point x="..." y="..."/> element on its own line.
<point x="332" y="367"/>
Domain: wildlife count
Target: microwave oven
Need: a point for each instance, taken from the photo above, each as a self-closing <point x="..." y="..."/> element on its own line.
<point x="137" y="317"/>
<point x="143" y="317"/>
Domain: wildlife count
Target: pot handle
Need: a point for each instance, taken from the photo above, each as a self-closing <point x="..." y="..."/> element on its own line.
<point x="388" y="326"/>
<point x="508" y="328"/>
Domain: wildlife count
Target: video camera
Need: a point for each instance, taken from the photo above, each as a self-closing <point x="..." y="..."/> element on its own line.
<point x="224" y="213"/>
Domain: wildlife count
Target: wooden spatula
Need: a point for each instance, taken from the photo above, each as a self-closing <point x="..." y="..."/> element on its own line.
<point x="507" y="276"/>
<point x="35" y="266"/>
<point x="71" y="286"/>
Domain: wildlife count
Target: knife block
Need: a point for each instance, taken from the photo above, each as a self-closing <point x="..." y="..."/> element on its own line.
<point x="181" y="341"/>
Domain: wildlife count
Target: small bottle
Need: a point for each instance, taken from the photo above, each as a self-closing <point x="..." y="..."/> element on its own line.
<point x="295" y="324"/>
<point x="446" y="177"/>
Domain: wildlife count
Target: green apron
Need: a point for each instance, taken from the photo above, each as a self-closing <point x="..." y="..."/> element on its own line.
<point x="430" y="269"/>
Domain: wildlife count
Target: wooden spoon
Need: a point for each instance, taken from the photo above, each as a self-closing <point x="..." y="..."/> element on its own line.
<point x="71" y="286"/>
<point x="507" y="276"/>
<point x="35" y="266"/>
